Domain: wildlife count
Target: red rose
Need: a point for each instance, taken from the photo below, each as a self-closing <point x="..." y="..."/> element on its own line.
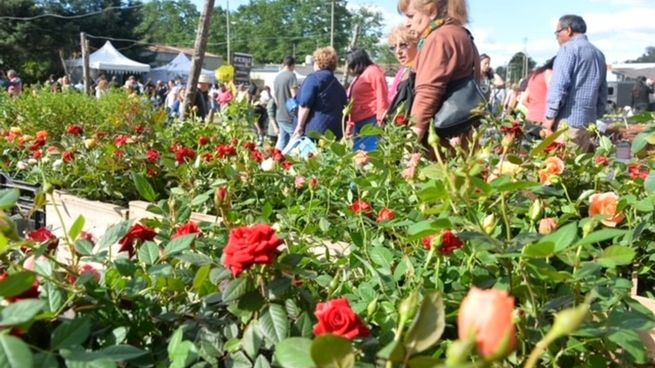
<point x="336" y="317"/>
<point x="44" y="236"/>
<point x="75" y="130"/>
<point x="287" y="165"/>
<point x="207" y="157"/>
<point x="119" y="154"/>
<point x="151" y="173"/>
<point x="31" y="293"/>
<point x="52" y="150"/>
<point x="184" y="154"/>
<point x="515" y="130"/>
<point x="234" y="142"/>
<point x="153" y="156"/>
<point x="37" y="155"/>
<point x="277" y="155"/>
<point x="313" y="183"/>
<point x="602" y="161"/>
<point x="401" y="120"/>
<point x="187" y="229"/>
<point x="87" y="236"/>
<point x="257" y="156"/>
<point x="203" y="141"/>
<point x="555" y="146"/>
<point x="225" y="150"/>
<point x="252" y="245"/>
<point x="449" y="242"/>
<point x="362" y="207"/>
<point x="250" y="146"/>
<point x="68" y="156"/>
<point x="386" y="214"/>
<point x="121" y="140"/>
<point x="137" y="233"/>
<point x="222" y="196"/>
<point x="42" y="135"/>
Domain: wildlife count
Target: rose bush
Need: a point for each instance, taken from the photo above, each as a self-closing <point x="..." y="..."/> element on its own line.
<point x="329" y="274"/>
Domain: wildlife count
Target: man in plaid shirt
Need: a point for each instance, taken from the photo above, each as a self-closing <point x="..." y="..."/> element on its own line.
<point x="578" y="88"/>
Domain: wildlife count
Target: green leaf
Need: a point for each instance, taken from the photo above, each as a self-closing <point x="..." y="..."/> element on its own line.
<point x="17" y="283"/>
<point x="393" y="352"/>
<point x="54" y="297"/>
<point x="46" y="360"/>
<point x="262" y="362"/>
<point x="539" y="250"/>
<point x="115" y="233"/>
<point x="236" y="289"/>
<point x="21" y="312"/>
<point x="514" y="186"/>
<point x="89" y="363"/>
<point x="428" y="325"/>
<point x="383" y="257"/>
<point x="616" y="255"/>
<point x="77" y="227"/>
<point x="70" y="333"/>
<point x="14" y="353"/>
<point x="631" y="344"/>
<point x="427" y="227"/>
<point x="433" y="192"/>
<point x="121" y="353"/>
<point x="562" y="238"/>
<point x="179" y="245"/>
<point x="251" y="342"/>
<point x="149" y="253"/>
<point x="8" y="198"/>
<point x="649" y="184"/>
<point x="639" y="143"/>
<point x="330" y="351"/>
<point x="601" y="235"/>
<point x="201" y="276"/>
<point x="424" y="362"/>
<point x="181" y="353"/>
<point x="547" y="142"/>
<point x="84" y="247"/>
<point x="143" y="187"/>
<point x="294" y="352"/>
<point x="274" y="324"/>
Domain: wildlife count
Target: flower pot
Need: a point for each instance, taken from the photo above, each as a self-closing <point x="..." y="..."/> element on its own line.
<point x="98" y="216"/>
<point x="139" y="210"/>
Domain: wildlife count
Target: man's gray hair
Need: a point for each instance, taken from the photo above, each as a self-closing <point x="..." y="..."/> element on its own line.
<point x="575" y="22"/>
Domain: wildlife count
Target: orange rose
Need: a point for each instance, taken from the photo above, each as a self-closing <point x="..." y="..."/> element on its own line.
<point x="605" y="204"/>
<point x="488" y="315"/>
<point x="547" y="226"/>
<point x="554" y="166"/>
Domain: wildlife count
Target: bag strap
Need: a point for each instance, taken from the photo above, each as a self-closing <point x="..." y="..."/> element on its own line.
<point x="322" y="92"/>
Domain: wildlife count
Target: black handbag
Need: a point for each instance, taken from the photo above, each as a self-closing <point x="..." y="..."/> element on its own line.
<point x="463" y="102"/>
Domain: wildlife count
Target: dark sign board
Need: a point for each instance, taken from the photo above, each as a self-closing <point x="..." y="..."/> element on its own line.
<point x="242" y="64"/>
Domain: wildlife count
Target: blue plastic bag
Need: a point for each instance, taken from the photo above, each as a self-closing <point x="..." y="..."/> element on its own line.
<point x="302" y="147"/>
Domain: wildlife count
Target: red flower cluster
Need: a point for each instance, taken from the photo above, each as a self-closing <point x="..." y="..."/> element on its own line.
<point x="119" y="154"/>
<point x="362" y="207"/>
<point x="75" y="130"/>
<point x="277" y="155"/>
<point x="44" y="236"/>
<point x="184" y="154"/>
<point x="450" y="242"/>
<point x="336" y="317"/>
<point x="121" y="140"/>
<point x="68" y="156"/>
<point x="153" y="156"/>
<point x="257" y="156"/>
<point x="638" y="171"/>
<point x="31" y="293"/>
<point x="386" y="214"/>
<point x="252" y="245"/>
<point x="187" y="229"/>
<point x="250" y="146"/>
<point x="225" y="150"/>
<point x="140" y="129"/>
<point x="37" y="155"/>
<point x="138" y="233"/>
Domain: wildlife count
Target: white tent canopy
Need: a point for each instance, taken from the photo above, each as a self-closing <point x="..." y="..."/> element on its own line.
<point x="180" y="66"/>
<point x="109" y="59"/>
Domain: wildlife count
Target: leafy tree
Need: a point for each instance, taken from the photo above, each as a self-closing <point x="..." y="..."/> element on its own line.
<point x="647" y="57"/>
<point x="170" y="22"/>
<point x="516" y="69"/>
<point x="371" y="23"/>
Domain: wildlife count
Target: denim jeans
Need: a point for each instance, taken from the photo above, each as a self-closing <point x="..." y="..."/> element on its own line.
<point x="283" y="137"/>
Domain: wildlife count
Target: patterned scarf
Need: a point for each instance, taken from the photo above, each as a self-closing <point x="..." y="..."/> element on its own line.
<point x="434" y="25"/>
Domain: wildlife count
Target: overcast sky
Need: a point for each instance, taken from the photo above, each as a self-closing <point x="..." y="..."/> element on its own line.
<point x="622" y="29"/>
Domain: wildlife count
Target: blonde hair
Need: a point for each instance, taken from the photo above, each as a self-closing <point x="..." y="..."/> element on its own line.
<point x="403" y="5"/>
<point x="326" y="58"/>
<point x="402" y="33"/>
<point x="455" y="9"/>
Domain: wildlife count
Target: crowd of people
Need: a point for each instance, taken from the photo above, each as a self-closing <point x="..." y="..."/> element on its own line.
<point x="437" y="55"/>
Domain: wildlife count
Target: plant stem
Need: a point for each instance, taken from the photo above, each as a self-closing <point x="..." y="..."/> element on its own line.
<point x="541" y="347"/>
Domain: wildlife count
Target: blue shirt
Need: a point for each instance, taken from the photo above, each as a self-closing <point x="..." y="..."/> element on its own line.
<point x="578" y="88"/>
<point x="326" y="97"/>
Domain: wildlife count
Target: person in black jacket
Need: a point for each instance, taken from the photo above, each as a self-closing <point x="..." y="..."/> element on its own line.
<point x="641" y="94"/>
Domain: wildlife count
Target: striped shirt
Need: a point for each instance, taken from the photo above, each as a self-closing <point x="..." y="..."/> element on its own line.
<point x="578" y="89"/>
